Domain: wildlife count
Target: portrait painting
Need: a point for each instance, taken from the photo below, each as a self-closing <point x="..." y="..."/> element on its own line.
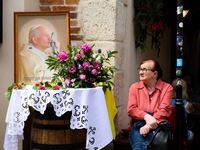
<point x="37" y="36"/>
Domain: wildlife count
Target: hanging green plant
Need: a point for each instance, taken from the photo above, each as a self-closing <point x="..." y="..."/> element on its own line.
<point x="152" y="18"/>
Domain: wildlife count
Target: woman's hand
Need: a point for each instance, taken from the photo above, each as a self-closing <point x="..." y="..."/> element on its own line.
<point x="151" y="121"/>
<point x="145" y="130"/>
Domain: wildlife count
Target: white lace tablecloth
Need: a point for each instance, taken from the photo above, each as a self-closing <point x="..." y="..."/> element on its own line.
<point x="88" y="108"/>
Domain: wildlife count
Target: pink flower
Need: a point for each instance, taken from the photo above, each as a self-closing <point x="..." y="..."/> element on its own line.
<point x="78" y="56"/>
<point x="86" y="65"/>
<point x="15" y="87"/>
<point x="85" y="48"/>
<point x="96" y="65"/>
<point x="37" y="84"/>
<point x="56" y="88"/>
<point x="82" y="77"/>
<point x="62" y="56"/>
<point x="91" y="80"/>
<point x="42" y="88"/>
<point x="67" y="81"/>
<point x="72" y="69"/>
<point x="94" y="72"/>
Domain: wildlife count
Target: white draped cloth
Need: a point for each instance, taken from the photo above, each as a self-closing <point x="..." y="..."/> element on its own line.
<point x="88" y="108"/>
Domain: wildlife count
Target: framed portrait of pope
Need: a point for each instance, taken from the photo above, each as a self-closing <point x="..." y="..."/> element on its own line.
<point x="36" y="36"/>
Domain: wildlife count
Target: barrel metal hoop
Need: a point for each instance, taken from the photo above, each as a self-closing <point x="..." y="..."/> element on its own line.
<point x="58" y="146"/>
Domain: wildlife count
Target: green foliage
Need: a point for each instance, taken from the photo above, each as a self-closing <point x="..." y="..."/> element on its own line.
<point x="8" y="93"/>
<point x="148" y="12"/>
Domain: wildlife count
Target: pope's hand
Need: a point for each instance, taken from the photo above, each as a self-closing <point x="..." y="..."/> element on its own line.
<point x="57" y="44"/>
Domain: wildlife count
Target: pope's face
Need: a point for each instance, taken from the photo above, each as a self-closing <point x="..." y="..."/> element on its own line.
<point x="43" y="38"/>
<point x="147" y="74"/>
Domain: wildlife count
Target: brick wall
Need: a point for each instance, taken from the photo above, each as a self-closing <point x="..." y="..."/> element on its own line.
<point x="64" y="5"/>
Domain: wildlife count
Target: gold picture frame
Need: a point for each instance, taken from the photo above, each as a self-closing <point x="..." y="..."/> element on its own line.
<point x="58" y="26"/>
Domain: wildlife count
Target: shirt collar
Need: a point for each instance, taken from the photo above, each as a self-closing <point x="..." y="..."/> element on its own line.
<point x="157" y="86"/>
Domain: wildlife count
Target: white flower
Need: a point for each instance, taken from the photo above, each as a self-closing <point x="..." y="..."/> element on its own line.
<point x="73" y="80"/>
<point x="73" y="84"/>
<point x="94" y="55"/>
<point x="98" y="59"/>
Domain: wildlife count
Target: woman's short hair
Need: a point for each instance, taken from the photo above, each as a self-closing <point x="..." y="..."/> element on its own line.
<point x="155" y="68"/>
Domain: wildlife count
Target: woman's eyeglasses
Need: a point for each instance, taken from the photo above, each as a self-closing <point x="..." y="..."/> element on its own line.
<point x="144" y="70"/>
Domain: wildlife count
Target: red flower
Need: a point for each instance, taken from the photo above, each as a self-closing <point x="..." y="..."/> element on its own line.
<point x="142" y="8"/>
<point x="15" y="87"/>
<point x="56" y="88"/>
<point x="42" y="88"/>
<point x="153" y="26"/>
<point x="37" y="84"/>
<point x="160" y="24"/>
<point x="19" y="87"/>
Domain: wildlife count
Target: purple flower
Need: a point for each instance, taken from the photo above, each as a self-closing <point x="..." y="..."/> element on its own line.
<point x="85" y="48"/>
<point x="86" y="65"/>
<point x="96" y="65"/>
<point x="94" y="72"/>
<point x="74" y="44"/>
<point x="67" y="81"/>
<point x="109" y="52"/>
<point x="72" y="69"/>
<point x="99" y="51"/>
<point x="78" y="56"/>
<point x="79" y="66"/>
<point x="62" y="56"/>
<point x="82" y="77"/>
<point x="55" y="56"/>
<point x="91" y="80"/>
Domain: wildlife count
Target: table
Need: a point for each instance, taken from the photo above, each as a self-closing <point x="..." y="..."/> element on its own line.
<point x="88" y="104"/>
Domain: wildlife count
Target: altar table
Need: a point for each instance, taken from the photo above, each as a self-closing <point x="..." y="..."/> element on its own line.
<point x="88" y="108"/>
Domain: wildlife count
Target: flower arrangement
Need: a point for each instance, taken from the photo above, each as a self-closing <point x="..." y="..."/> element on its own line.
<point x="79" y="67"/>
<point x="82" y="67"/>
<point x="152" y="17"/>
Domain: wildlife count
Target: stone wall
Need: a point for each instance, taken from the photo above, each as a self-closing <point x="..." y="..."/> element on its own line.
<point x="103" y="23"/>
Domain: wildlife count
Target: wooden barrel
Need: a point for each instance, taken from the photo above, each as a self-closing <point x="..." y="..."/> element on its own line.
<point x="50" y="132"/>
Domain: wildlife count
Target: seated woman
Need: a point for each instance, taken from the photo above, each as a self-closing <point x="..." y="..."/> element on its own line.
<point x="193" y="119"/>
<point x="188" y="107"/>
<point x="150" y="101"/>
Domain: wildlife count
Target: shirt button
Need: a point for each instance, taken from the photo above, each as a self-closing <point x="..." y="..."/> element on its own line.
<point x="151" y="98"/>
<point x="148" y="105"/>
